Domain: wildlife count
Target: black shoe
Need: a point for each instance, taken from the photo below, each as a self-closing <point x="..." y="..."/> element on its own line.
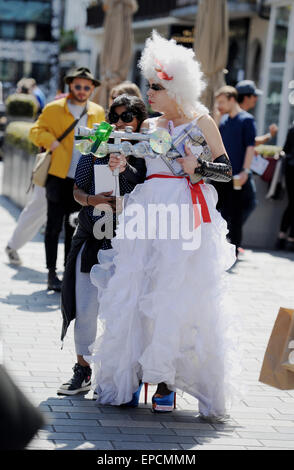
<point x="80" y="381"/>
<point x="290" y="246"/>
<point x="53" y="282"/>
<point x="280" y="244"/>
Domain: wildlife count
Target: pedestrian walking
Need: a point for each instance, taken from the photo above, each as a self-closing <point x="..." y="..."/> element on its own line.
<point x="238" y="130"/>
<point x="286" y="236"/>
<point x="78" y="295"/>
<point x="29" y="86"/>
<point x="162" y="319"/>
<point x="56" y="118"/>
<point x="32" y="218"/>
<point x="30" y="221"/>
<point x="248" y="95"/>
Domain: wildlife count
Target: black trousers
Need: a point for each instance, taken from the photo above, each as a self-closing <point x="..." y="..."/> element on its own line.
<point x="60" y="204"/>
<point x="236" y="206"/>
<point x="287" y="223"/>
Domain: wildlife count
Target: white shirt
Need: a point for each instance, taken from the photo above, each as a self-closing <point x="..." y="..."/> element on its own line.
<point x="76" y="111"/>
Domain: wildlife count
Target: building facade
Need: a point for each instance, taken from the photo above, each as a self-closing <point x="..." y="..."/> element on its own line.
<point x="261" y="45"/>
<point x="248" y="27"/>
<point x="29" y="43"/>
<point x="75" y="47"/>
<point x="277" y="78"/>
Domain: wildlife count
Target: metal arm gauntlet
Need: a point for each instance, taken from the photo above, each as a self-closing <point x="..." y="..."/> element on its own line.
<point x="218" y="170"/>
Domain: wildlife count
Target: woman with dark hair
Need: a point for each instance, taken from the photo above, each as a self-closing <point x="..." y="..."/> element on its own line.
<point x="78" y="295"/>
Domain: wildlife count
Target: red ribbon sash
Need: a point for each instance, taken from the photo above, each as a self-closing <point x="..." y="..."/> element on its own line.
<point x="196" y="195"/>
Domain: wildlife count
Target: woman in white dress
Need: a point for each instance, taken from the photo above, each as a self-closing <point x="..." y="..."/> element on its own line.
<point x="162" y="311"/>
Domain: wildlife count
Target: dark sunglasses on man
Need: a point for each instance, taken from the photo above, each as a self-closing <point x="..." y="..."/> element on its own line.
<point x="126" y="116"/>
<point x="80" y="87"/>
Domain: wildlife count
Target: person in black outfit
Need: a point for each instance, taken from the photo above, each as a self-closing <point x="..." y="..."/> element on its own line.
<point x="286" y="235"/>
<point x="78" y="295"/>
<point x="238" y="131"/>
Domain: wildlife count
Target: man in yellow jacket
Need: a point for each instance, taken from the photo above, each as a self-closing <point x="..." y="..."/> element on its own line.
<point x="55" y="119"/>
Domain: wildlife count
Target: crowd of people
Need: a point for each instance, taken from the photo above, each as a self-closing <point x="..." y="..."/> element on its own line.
<point x="146" y="309"/>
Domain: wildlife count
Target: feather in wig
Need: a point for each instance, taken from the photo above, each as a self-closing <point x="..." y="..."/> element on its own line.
<point x="176" y="69"/>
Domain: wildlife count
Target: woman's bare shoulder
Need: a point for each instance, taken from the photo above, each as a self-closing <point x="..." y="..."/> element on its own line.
<point x="205" y="120"/>
<point x="207" y="124"/>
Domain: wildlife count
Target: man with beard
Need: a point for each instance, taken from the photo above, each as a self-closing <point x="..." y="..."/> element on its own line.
<point x="57" y="118"/>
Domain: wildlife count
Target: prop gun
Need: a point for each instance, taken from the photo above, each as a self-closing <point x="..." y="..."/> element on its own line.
<point x="157" y="144"/>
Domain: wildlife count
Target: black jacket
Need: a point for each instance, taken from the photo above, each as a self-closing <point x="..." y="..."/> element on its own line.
<point x="289" y="146"/>
<point x="135" y="173"/>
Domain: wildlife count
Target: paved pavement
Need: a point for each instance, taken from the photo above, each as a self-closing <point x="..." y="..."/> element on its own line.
<point x="30" y="323"/>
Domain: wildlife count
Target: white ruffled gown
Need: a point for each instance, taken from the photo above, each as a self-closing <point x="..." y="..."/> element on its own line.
<point x="163" y="311"/>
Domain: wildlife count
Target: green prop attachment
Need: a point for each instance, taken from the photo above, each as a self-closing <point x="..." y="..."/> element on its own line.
<point x="90" y="143"/>
<point x="101" y="135"/>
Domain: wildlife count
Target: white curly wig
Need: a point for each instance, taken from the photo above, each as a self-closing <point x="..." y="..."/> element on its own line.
<point x="176" y="69"/>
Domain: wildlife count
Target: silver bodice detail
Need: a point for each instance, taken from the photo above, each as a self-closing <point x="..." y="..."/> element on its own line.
<point x="189" y="134"/>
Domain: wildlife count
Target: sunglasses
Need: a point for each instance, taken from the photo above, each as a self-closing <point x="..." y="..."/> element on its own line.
<point x="155" y="87"/>
<point x="80" y="87"/>
<point x="126" y="116"/>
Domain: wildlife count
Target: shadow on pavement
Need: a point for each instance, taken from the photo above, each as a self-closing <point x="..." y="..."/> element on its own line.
<point x="10" y="206"/>
<point x="43" y="301"/>
<point x="76" y="422"/>
<point x="275" y="253"/>
<point x="23" y="273"/>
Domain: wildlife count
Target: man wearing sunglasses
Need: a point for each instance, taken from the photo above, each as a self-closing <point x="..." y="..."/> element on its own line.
<point x="55" y="119"/>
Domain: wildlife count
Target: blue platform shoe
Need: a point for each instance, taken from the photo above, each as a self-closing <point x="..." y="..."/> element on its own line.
<point x="135" y="400"/>
<point x="164" y="403"/>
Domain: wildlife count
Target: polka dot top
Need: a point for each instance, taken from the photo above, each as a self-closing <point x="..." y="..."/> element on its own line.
<point x="84" y="179"/>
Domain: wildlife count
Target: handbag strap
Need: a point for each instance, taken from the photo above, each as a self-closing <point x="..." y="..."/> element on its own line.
<point x="65" y="133"/>
<point x="73" y="125"/>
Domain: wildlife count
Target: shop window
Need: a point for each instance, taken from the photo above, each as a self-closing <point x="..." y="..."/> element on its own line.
<point x="41" y="72"/>
<point x="281" y="34"/>
<point x="237" y="51"/>
<point x="256" y="60"/>
<point x="20" y="31"/>
<point x="10" y="70"/>
<point x="11" y="30"/>
<point x="274" y="97"/>
<point x="43" y="32"/>
<point x="291" y="101"/>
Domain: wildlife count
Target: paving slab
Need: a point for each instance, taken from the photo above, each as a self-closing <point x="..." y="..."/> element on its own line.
<point x="30" y="326"/>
